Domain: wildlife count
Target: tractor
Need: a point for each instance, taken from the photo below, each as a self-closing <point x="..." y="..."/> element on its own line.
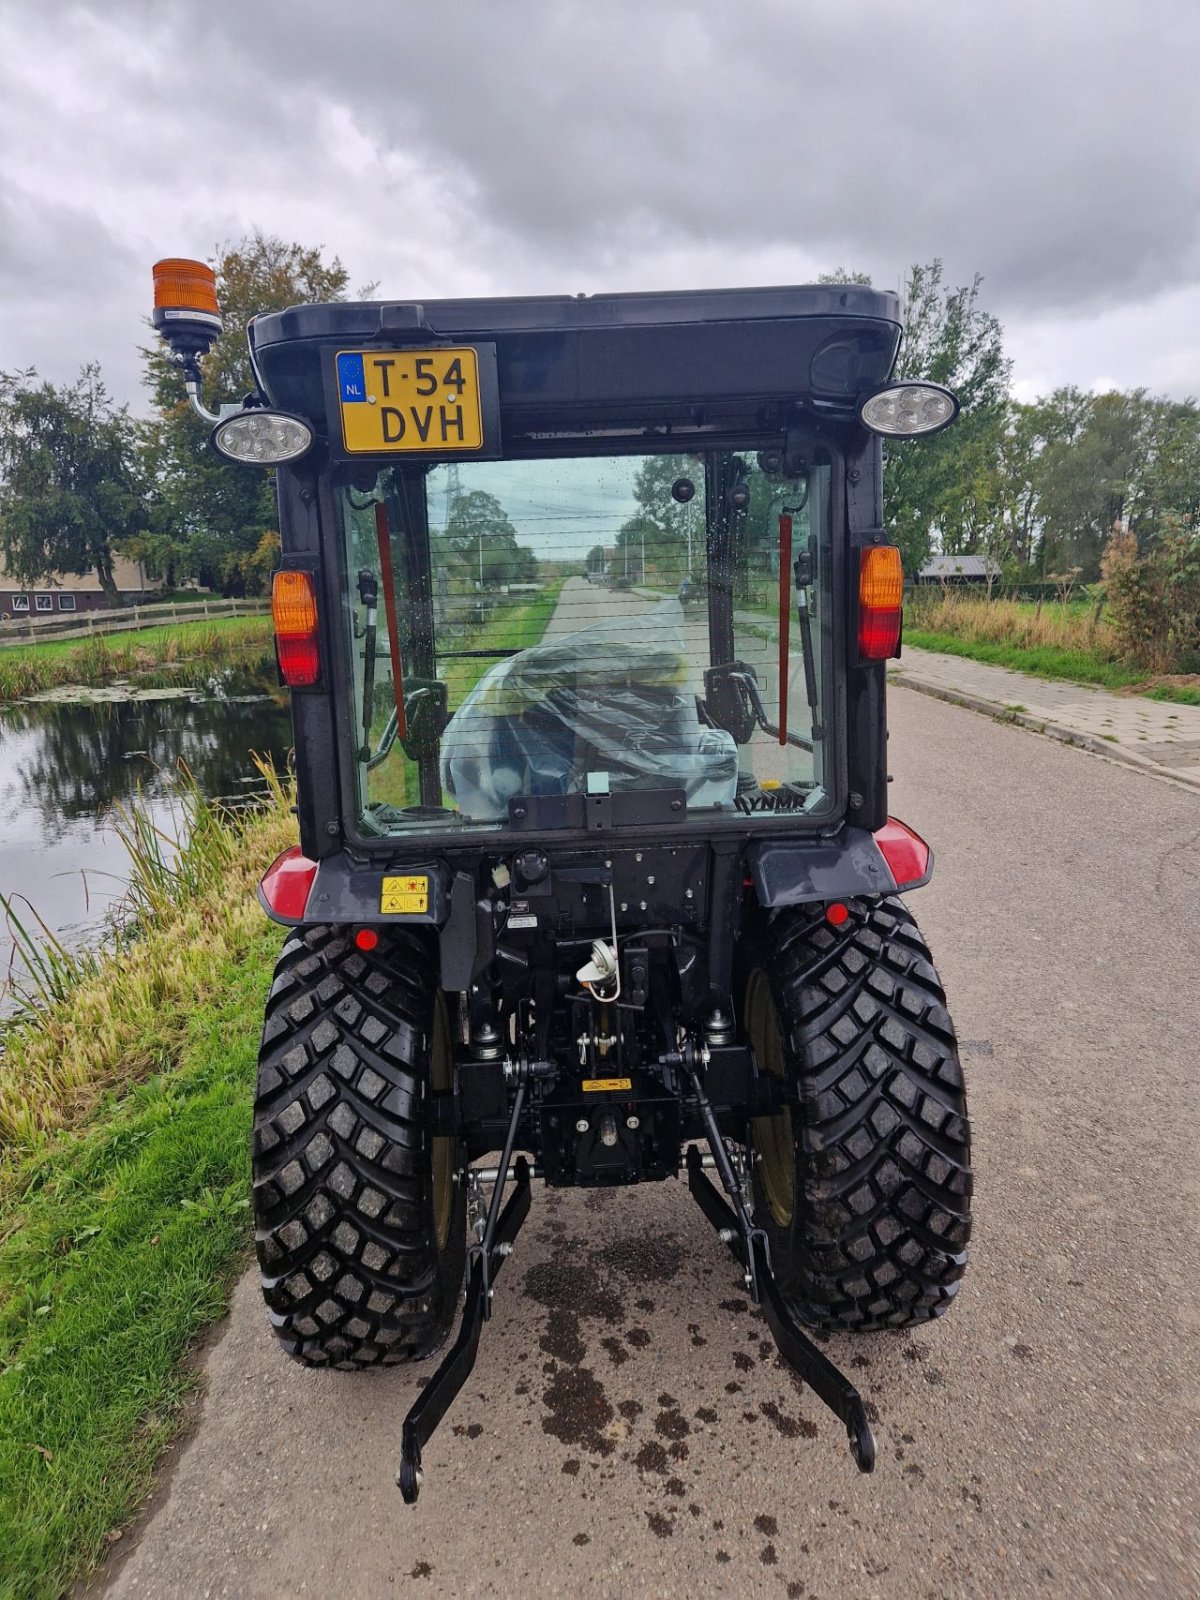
<point x="596" y="883"/>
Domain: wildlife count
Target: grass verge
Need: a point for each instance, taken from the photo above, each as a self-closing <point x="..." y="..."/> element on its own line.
<point x="1072" y="665"/>
<point x="156" y="657"/>
<point x="125" y="1108"/>
<point x="1068" y="641"/>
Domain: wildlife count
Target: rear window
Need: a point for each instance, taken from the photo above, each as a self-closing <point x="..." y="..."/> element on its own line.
<point x="520" y="632"/>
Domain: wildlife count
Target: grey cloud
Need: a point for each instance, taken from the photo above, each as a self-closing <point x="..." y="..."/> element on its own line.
<point x="540" y="144"/>
<point x="1047" y="145"/>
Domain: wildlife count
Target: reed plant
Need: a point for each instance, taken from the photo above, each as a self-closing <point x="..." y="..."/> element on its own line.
<point x="87" y="1022"/>
<point x="1069" y="623"/>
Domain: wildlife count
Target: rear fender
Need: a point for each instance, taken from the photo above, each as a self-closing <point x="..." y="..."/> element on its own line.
<point x="853" y="863"/>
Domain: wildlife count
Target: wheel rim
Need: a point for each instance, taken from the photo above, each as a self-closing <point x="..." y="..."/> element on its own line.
<point x="771" y="1137"/>
<point x="443" y="1150"/>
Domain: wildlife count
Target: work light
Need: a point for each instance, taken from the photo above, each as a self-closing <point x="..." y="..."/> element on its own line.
<point x="908" y="410"/>
<point x="262" y="438"/>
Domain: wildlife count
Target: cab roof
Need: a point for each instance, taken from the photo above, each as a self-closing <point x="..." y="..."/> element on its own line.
<point x="682" y="365"/>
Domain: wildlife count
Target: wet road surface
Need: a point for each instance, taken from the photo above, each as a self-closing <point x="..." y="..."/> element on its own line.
<point x="629" y="1430"/>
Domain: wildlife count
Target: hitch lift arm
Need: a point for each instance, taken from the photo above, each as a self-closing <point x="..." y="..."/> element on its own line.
<point x="749" y="1245"/>
<point x="484" y="1263"/>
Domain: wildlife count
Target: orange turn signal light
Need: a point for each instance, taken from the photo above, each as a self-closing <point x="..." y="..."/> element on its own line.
<point x="293" y="604"/>
<point x="880" y="599"/>
<point x="185" y="286"/>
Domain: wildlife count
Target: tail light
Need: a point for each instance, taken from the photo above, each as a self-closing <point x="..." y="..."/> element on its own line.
<point x="294" y="613"/>
<point x="286" y="885"/>
<point x="880" y="598"/>
<point x="909" y="858"/>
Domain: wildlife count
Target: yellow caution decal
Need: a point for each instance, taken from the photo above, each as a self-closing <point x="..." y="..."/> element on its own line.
<point x="400" y="895"/>
<point x="606" y="1085"/>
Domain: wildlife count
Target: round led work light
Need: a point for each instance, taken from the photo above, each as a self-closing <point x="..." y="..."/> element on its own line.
<point x="262" y="438"/>
<point x="908" y="410"/>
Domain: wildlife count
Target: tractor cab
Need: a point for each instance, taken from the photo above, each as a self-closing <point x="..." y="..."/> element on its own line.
<point x="585" y="604"/>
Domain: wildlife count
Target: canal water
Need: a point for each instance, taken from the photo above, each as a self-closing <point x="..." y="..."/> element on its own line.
<point x="65" y="766"/>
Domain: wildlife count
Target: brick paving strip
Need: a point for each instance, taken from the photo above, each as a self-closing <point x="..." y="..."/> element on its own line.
<point x="1155" y="735"/>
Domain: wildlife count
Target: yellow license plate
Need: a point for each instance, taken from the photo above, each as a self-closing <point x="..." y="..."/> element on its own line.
<point x="395" y="400"/>
<point x="400" y="895"/>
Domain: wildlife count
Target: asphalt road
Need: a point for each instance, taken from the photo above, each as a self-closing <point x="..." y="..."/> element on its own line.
<point x="628" y="1430"/>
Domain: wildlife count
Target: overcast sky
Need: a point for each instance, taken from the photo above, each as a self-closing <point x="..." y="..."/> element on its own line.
<point x="522" y="146"/>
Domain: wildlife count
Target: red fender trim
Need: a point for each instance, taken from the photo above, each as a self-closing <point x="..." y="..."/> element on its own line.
<point x="284" y="890"/>
<point x="909" y="858"/>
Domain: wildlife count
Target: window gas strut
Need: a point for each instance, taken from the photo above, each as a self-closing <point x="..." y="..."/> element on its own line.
<point x="785" y="621"/>
<point x="804" y="581"/>
<point x="383" y="536"/>
<point x="368" y="594"/>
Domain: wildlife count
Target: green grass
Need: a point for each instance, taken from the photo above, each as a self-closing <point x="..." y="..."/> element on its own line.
<point x="126" y="1091"/>
<point x="120" y="1243"/>
<point x="1069" y="665"/>
<point x="1179" y="694"/>
<point x="153" y="656"/>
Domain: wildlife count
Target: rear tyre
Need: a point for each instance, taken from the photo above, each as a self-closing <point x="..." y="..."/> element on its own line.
<point x="862" y="1182"/>
<point x="359" y="1221"/>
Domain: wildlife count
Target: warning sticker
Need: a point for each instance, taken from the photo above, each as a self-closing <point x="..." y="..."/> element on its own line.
<point x="400" y="895"/>
<point x="605" y="1085"/>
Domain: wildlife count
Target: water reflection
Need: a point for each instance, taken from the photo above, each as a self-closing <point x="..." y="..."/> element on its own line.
<point x="64" y="767"/>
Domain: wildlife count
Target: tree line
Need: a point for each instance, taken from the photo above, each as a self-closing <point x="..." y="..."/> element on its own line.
<point x="1041" y="489"/>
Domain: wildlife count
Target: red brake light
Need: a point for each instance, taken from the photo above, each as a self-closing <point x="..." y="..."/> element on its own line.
<point x="909" y="858"/>
<point x="286" y="883"/>
<point x="880" y="598"/>
<point x="294" y="613"/>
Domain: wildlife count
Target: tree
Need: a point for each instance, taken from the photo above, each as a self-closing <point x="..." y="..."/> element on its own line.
<point x="945" y="484"/>
<point x="662" y="534"/>
<point x="72" y="494"/>
<point x="210" y="516"/>
<point x="483" y="542"/>
<point x="944" y="488"/>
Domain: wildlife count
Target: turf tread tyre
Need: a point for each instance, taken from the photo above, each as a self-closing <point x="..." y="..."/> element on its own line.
<point x="882" y="1179"/>
<point x="343" y="1166"/>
